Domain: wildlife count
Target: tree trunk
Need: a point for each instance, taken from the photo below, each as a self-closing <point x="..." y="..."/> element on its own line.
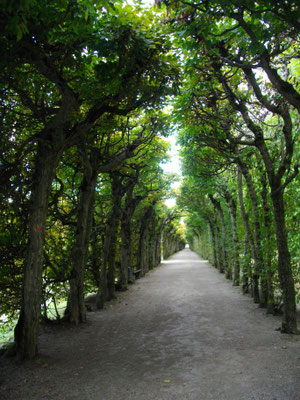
<point x="158" y="240"/>
<point x="26" y="331"/>
<point x="268" y="273"/>
<point x="220" y="263"/>
<point x="157" y="247"/>
<point x="232" y="212"/>
<point x="127" y="214"/>
<point x="166" y="244"/>
<point x="95" y="257"/>
<point x="258" y="257"/>
<point x="144" y="250"/>
<point x="225" y="266"/>
<point x="76" y="310"/>
<point x="114" y="221"/>
<point x="125" y="252"/>
<point x="289" y="324"/>
<point x="111" y="260"/>
<point x="246" y="267"/>
<point x="102" y="294"/>
<point x="213" y="241"/>
<point x="125" y="263"/>
<point x="255" y="285"/>
<point x="151" y="240"/>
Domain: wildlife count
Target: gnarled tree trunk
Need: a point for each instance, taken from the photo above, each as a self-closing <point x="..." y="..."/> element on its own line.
<point x="26" y="330"/>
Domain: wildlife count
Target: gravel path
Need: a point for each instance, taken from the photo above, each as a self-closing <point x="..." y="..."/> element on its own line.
<point x="181" y="333"/>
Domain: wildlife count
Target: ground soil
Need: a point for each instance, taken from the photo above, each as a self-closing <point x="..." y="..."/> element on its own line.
<point x="181" y="333"/>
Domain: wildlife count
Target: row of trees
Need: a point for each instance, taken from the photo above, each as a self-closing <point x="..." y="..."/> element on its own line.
<point x="82" y="139"/>
<point x="238" y="114"/>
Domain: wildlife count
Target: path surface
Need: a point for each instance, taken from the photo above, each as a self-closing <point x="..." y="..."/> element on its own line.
<point x="181" y="333"/>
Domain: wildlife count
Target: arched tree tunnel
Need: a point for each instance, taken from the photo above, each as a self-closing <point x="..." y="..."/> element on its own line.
<point x="90" y="93"/>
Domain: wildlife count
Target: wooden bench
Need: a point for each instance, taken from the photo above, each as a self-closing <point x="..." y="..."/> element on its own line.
<point x="137" y="273"/>
<point x="133" y="272"/>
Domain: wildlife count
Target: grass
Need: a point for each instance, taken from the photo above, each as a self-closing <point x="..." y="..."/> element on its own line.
<point x="7" y="326"/>
<point x="7" y="333"/>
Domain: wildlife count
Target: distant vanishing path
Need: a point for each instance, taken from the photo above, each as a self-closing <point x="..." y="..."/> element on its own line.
<point x="181" y="333"/>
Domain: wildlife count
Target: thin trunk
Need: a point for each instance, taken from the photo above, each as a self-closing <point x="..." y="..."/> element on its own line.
<point x="125" y="253"/>
<point x="76" y="310"/>
<point x="95" y="257"/>
<point x="246" y="267"/>
<point x="258" y="257"/>
<point x="167" y="244"/>
<point x="225" y="266"/>
<point x="127" y="213"/>
<point x="102" y="294"/>
<point x="158" y="249"/>
<point x="158" y="240"/>
<point x="125" y="259"/>
<point x="245" y="217"/>
<point x="232" y="211"/>
<point x="143" y="260"/>
<point x="111" y="274"/>
<point x="268" y="280"/>
<point x="114" y="222"/>
<point x="213" y="241"/>
<point x="220" y="263"/>
<point x="151" y="233"/>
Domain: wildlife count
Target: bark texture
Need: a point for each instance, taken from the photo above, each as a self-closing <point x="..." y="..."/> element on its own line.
<point x="26" y="330"/>
<point x="76" y="310"/>
<point x="289" y="323"/>
<point x="218" y="208"/>
<point x="257" y="240"/>
<point x="232" y="211"/>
